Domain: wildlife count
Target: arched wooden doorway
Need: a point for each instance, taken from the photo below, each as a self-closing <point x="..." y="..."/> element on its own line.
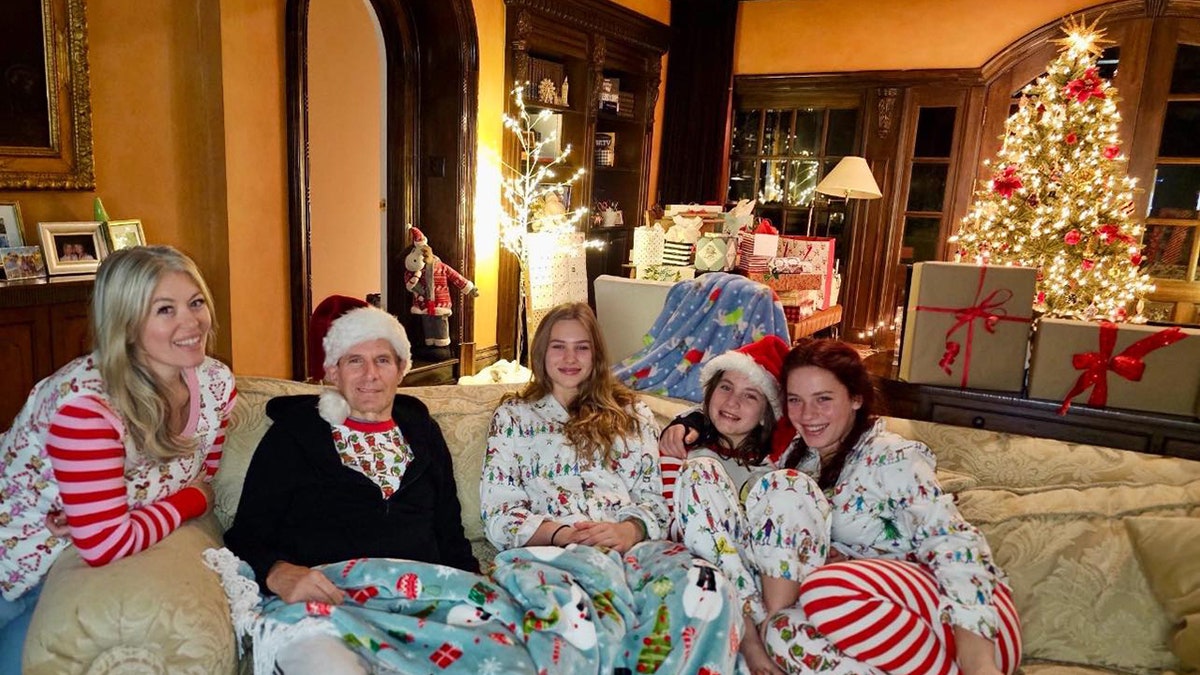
<point x="431" y="89"/>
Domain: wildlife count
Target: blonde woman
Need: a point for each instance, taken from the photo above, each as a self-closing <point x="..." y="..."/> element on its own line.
<point x="572" y="463"/>
<point x="115" y="450"/>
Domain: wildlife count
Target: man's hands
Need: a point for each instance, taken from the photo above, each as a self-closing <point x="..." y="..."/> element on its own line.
<point x="295" y="583"/>
<point x="674" y="440"/>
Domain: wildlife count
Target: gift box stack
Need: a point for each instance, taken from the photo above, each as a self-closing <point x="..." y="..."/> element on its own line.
<point x="970" y="326"/>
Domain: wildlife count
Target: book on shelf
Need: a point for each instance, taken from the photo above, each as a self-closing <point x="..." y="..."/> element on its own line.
<point x="610" y="95"/>
<point x="606" y="148"/>
<point x="625" y="104"/>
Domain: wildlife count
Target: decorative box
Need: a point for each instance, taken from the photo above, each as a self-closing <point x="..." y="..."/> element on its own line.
<point x="715" y="252"/>
<point x="666" y="273"/>
<point x="814" y="253"/>
<point x="790" y="282"/>
<point x="968" y="325"/>
<point x="754" y="251"/>
<point x="647" y="246"/>
<point x="796" y="305"/>
<point x="677" y="253"/>
<point x="1153" y="368"/>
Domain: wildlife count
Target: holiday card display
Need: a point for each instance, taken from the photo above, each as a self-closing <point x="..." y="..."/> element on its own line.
<point x="1102" y="364"/>
<point x="1059" y="198"/>
<point x="968" y="326"/>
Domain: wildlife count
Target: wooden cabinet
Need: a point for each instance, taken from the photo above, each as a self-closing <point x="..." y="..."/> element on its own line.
<point x="1125" y="429"/>
<point x="602" y="50"/>
<point x="43" y="325"/>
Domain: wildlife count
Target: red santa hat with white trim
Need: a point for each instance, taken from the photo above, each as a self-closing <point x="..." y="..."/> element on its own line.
<point x="760" y="361"/>
<point x="350" y="328"/>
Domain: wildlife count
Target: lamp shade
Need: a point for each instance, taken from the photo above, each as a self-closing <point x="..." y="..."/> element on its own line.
<point x="850" y="179"/>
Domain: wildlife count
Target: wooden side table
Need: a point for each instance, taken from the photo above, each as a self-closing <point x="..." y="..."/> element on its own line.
<point x="824" y="319"/>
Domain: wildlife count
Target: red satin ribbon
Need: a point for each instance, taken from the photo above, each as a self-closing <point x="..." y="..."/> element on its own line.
<point x="990" y="309"/>
<point x="1128" y="364"/>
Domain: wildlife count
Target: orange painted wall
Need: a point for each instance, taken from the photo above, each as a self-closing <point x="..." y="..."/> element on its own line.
<point x="816" y="36"/>
<point x="345" y="140"/>
<point x="157" y="123"/>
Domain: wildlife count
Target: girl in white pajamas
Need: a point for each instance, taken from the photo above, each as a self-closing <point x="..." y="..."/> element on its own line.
<point x="910" y="586"/>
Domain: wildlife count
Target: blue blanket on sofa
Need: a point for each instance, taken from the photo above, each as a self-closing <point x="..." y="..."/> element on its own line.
<point x="702" y="318"/>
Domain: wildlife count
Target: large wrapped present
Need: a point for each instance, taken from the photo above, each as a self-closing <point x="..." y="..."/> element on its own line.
<point x="692" y="209"/>
<point x="756" y="246"/>
<point x="681" y="238"/>
<point x="1152" y="368"/>
<point x="557" y="273"/>
<point x="809" y="254"/>
<point x="647" y="246"/>
<point x="968" y="325"/>
<point x="665" y="272"/>
<point x="791" y="282"/>
<point x="715" y="252"/>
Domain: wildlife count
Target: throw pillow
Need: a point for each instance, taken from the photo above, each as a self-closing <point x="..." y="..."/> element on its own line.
<point x="1168" y="549"/>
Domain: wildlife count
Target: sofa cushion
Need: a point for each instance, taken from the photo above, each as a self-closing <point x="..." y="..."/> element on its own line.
<point x="1169" y="551"/>
<point x="1077" y="585"/>
<point x="1002" y="460"/>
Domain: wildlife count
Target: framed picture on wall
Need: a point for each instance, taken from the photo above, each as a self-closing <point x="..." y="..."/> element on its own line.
<point x="124" y="234"/>
<point x="72" y="248"/>
<point x="11" y="235"/>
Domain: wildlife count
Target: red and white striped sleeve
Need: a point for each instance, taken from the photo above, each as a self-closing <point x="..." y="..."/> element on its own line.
<point x="670" y="467"/>
<point x="212" y="460"/>
<point x="88" y="459"/>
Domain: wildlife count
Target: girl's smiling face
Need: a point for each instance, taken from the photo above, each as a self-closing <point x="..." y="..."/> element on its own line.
<point x="821" y="408"/>
<point x="568" y="359"/>
<point x="736" y="407"/>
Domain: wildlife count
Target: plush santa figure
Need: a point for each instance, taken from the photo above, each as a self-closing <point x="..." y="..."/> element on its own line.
<point x="429" y="280"/>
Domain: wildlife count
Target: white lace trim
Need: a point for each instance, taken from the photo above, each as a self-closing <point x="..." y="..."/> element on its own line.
<point x="267" y="636"/>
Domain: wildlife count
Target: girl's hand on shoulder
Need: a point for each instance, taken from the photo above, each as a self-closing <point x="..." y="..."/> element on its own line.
<point x="56" y="522"/>
<point x="620" y="536"/>
<point x="674" y="441"/>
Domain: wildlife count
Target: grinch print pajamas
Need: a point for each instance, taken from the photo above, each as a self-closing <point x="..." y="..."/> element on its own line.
<point x="891" y="518"/>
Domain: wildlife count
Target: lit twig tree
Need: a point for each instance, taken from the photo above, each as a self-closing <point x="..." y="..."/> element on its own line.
<point x="1059" y="198"/>
<point x="525" y="189"/>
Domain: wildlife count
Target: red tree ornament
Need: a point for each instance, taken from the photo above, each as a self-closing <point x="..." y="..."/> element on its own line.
<point x="1071" y="238"/>
<point x="1007" y="181"/>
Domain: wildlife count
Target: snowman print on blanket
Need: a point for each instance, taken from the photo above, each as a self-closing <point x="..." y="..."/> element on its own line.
<point x="702" y="599"/>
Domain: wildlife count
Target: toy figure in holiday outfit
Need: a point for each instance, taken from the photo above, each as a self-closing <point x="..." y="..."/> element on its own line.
<point x="583" y="450"/>
<point x="429" y="280"/>
<point x="891" y="528"/>
<point x="147" y="407"/>
<point x="714" y="461"/>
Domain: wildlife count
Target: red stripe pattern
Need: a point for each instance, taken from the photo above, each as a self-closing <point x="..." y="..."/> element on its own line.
<point x="88" y="458"/>
<point x="884" y="613"/>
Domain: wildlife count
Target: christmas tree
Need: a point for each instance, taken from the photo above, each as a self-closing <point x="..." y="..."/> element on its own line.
<point x="1059" y="198"/>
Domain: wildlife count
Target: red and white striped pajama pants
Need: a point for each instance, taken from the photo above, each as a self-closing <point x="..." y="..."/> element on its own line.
<point x="878" y="616"/>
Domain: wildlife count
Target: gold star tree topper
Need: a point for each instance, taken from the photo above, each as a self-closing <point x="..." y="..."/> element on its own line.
<point x="1083" y="37"/>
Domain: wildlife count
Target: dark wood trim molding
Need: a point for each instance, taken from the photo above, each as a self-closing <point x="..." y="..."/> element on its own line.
<point x="604" y="17"/>
<point x="296" y="88"/>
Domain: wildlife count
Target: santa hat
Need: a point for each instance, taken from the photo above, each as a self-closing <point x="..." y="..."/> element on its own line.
<point x="761" y="362"/>
<point x="318" y="326"/>
<point x="418" y="237"/>
<point x="352" y="328"/>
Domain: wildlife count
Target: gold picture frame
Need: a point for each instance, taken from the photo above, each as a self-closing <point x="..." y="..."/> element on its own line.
<point x="47" y="139"/>
<point x="72" y="248"/>
<point x="124" y="234"/>
<point x="12" y="227"/>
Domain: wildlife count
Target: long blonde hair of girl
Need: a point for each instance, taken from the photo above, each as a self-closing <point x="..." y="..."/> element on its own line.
<point x="602" y="411"/>
<point x="121" y="302"/>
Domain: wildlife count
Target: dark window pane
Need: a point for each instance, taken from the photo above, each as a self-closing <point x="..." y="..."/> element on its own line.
<point x="1159" y="311"/>
<point x="1185" y="76"/>
<point x="771" y="180"/>
<point x="741" y="180"/>
<point x="927" y="189"/>
<point x="802" y="182"/>
<point x="1167" y="251"/>
<point x="935" y="132"/>
<point x="1179" y="135"/>
<point x="920" y="239"/>
<point x="807" y="141"/>
<point x="1176" y="192"/>
<point x="745" y="132"/>
<point x="1107" y="64"/>
<point x="771" y="213"/>
<point x="777" y="132"/>
<point x="843" y="130"/>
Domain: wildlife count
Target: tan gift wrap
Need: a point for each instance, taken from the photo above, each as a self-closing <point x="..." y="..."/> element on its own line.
<point x="1153" y="368"/>
<point x="968" y="326"/>
<point x="789" y="282"/>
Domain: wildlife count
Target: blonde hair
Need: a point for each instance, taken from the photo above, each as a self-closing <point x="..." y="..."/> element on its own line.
<point x="602" y="411"/>
<point x="121" y="303"/>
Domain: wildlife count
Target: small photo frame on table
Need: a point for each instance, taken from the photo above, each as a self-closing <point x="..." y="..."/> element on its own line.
<point x="124" y="234"/>
<point x="11" y="233"/>
<point x="22" y="262"/>
<point x="73" y="248"/>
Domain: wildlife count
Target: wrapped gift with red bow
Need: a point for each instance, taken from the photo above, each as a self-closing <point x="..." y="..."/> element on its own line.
<point x="1107" y="365"/>
<point x="968" y="326"/>
<point x="814" y="255"/>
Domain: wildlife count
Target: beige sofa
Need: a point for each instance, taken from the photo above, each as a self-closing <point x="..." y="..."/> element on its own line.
<point x="1056" y="515"/>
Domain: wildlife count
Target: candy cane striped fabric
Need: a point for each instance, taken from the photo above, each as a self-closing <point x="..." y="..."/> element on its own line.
<point x="884" y="613"/>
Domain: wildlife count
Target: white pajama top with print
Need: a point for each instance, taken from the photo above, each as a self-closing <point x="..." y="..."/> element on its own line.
<point x="887" y="503"/>
<point x="531" y="474"/>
